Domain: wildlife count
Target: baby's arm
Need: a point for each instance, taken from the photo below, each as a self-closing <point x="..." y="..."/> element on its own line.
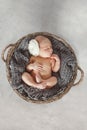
<point x="29" y="67"/>
<point x="33" y="65"/>
<point x="56" y="64"/>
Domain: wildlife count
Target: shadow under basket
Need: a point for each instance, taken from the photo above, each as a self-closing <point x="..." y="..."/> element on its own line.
<point x="17" y="57"/>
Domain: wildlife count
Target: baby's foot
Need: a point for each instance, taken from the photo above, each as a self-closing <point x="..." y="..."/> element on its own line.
<point x="42" y="85"/>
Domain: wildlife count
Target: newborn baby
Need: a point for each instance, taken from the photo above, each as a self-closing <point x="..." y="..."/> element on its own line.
<point x="41" y="64"/>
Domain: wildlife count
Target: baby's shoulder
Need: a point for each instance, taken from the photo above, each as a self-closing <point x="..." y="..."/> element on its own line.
<point x="32" y="58"/>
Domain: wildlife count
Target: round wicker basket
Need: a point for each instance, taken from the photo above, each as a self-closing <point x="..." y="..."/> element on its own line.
<point x="18" y="56"/>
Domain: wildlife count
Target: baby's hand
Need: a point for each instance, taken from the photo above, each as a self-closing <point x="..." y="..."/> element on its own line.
<point x="55" y="57"/>
<point x="36" y="66"/>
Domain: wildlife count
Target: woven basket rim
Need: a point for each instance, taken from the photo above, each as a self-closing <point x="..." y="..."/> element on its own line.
<point x="15" y="45"/>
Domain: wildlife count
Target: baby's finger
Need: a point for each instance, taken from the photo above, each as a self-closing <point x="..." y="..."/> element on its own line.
<point x="38" y="67"/>
<point x="39" y="64"/>
<point x="52" y="56"/>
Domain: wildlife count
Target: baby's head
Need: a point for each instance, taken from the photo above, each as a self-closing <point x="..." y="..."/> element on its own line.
<point x="42" y="45"/>
<point x="45" y="46"/>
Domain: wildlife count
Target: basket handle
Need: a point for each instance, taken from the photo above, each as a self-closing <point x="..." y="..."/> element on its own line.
<point x="3" y="52"/>
<point x="81" y="78"/>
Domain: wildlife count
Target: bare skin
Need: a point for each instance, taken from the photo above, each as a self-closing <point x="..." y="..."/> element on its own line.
<point x="40" y="68"/>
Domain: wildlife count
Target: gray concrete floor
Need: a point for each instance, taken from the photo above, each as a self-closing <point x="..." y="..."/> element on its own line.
<point x="67" y="19"/>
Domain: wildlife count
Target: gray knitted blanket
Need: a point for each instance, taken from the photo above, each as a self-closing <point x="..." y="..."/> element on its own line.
<point x="20" y="59"/>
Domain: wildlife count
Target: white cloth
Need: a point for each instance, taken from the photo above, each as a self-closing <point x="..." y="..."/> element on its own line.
<point x="33" y="47"/>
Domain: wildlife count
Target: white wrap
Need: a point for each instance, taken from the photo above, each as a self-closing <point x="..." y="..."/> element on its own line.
<point x="33" y="47"/>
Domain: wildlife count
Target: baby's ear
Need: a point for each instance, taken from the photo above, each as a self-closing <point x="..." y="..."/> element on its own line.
<point x="33" y="47"/>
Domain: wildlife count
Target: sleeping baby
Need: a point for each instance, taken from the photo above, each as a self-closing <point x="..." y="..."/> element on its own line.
<point x="41" y="65"/>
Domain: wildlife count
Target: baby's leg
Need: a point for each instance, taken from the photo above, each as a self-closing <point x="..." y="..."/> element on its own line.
<point x="28" y="79"/>
<point x="38" y="77"/>
<point x="51" y="82"/>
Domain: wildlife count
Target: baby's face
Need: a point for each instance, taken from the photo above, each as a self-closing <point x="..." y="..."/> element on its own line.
<point x="46" y="49"/>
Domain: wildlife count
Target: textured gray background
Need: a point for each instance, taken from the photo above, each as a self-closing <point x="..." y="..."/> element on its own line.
<point x="67" y="19"/>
